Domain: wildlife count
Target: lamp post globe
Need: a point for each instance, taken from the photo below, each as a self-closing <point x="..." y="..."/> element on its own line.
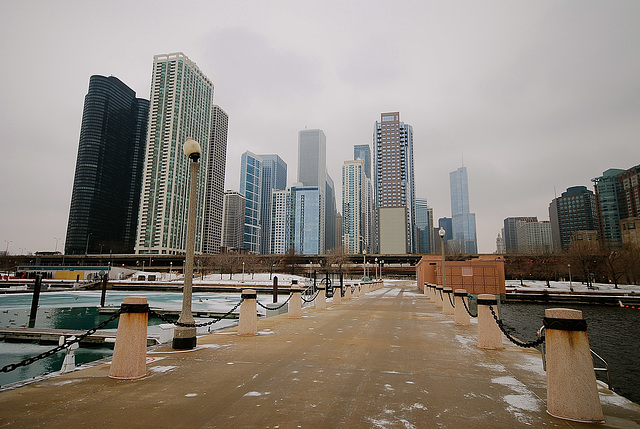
<point x="192" y="149"/>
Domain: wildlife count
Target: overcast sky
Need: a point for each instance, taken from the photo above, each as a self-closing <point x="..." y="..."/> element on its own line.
<point x="535" y="96"/>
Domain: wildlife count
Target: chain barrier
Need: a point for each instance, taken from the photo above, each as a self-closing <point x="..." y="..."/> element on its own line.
<point x="467" y="308"/>
<point x="452" y="304"/>
<point x="514" y="340"/>
<point x="194" y="325"/>
<point x="275" y="308"/>
<point x="67" y="343"/>
<point x="312" y="299"/>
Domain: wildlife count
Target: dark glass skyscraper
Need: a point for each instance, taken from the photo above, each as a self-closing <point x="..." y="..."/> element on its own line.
<point x="106" y="187"/>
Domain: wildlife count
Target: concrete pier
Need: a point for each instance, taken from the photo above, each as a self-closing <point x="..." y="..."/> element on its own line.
<point x="386" y="360"/>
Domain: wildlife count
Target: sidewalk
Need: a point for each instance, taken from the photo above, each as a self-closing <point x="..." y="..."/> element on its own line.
<point x="389" y="359"/>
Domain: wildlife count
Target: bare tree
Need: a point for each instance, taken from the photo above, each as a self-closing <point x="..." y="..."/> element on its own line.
<point x="614" y="266"/>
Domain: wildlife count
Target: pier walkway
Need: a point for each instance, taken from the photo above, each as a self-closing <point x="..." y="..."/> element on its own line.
<point x="389" y="359"/>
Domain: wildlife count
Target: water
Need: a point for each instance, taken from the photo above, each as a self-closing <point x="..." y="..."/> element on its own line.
<point x="78" y="310"/>
<point x="614" y="333"/>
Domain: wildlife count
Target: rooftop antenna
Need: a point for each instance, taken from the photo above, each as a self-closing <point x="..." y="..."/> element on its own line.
<point x="462" y="154"/>
<point x="555" y="194"/>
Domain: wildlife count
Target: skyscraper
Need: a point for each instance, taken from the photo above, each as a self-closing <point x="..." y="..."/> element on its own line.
<point x="274" y="177"/>
<point x="312" y="172"/>
<point x="464" y="222"/>
<point x="330" y="214"/>
<point x="510" y="237"/>
<point x="312" y="158"/>
<point x="181" y="107"/>
<point x="618" y="198"/>
<point x="215" y="181"/>
<point x="363" y="152"/>
<point x="424" y="226"/>
<point x="233" y="221"/>
<point x="394" y="185"/>
<point x="106" y="188"/>
<point x="280" y="233"/>
<point x="307" y="209"/>
<point x="575" y="210"/>
<point x="251" y="188"/>
<point x="353" y="206"/>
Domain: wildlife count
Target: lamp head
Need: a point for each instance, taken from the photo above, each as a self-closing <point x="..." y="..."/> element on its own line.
<point x="441" y="232"/>
<point x="192" y="149"/>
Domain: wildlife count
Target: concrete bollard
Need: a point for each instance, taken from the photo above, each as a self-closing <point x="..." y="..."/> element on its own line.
<point x="337" y="294"/>
<point x="356" y="290"/>
<point x="425" y="290"/>
<point x="295" y="304"/>
<point x="129" y="360"/>
<point x="572" y="391"/>
<point x="439" y="296"/>
<point x="432" y="293"/>
<point x="248" y="322"/>
<point x="347" y="293"/>
<point x="489" y="335"/>
<point x="460" y="315"/>
<point x="447" y="301"/>
<point x="321" y="299"/>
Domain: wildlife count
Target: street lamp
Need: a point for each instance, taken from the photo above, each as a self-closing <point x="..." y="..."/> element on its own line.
<point x="442" y="233"/>
<point x="184" y="337"/>
<point x="242" y="271"/>
<point x="376" y="267"/>
<point x="570" y="284"/>
<point x="364" y="263"/>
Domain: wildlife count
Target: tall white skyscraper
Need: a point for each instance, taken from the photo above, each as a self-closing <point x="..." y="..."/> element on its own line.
<point x="394" y="185"/>
<point x="354" y="234"/>
<point x="181" y="106"/>
<point x="215" y="181"/>
<point x="463" y="222"/>
<point x="280" y="232"/>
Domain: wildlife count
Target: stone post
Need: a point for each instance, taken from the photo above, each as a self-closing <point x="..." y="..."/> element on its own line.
<point x="337" y="294"/>
<point x="248" y="323"/>
<point x="489" y="335"/>
<point x="321" y="299"/>
<point x="129" y="360"/>
<point x="347" y="293"/>
<point x="356" y="290"/>
<point x="439" y="296"/>
<point x="295" y="304"/>
<point x="572" y="391"/>
<point x="447" y="299"/>
<point x="460" y="315"/>
<point x="425" y="289"/>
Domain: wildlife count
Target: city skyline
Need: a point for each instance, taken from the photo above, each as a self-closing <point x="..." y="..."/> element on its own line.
<point x="531" y="112"/>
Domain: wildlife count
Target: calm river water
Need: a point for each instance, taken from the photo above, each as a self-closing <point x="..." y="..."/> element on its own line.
<point x="614" y="334"/>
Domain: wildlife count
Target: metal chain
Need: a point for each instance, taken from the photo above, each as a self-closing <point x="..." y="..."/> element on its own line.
<point x="452" y="304"/>
<point x="193" y="325"/>
<point x="67" y="343"/>
<point x="311" y="300"/>
<point x="515" y="341"/>
<point x="467" y="308"/>
<point x="274" y="308"/>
